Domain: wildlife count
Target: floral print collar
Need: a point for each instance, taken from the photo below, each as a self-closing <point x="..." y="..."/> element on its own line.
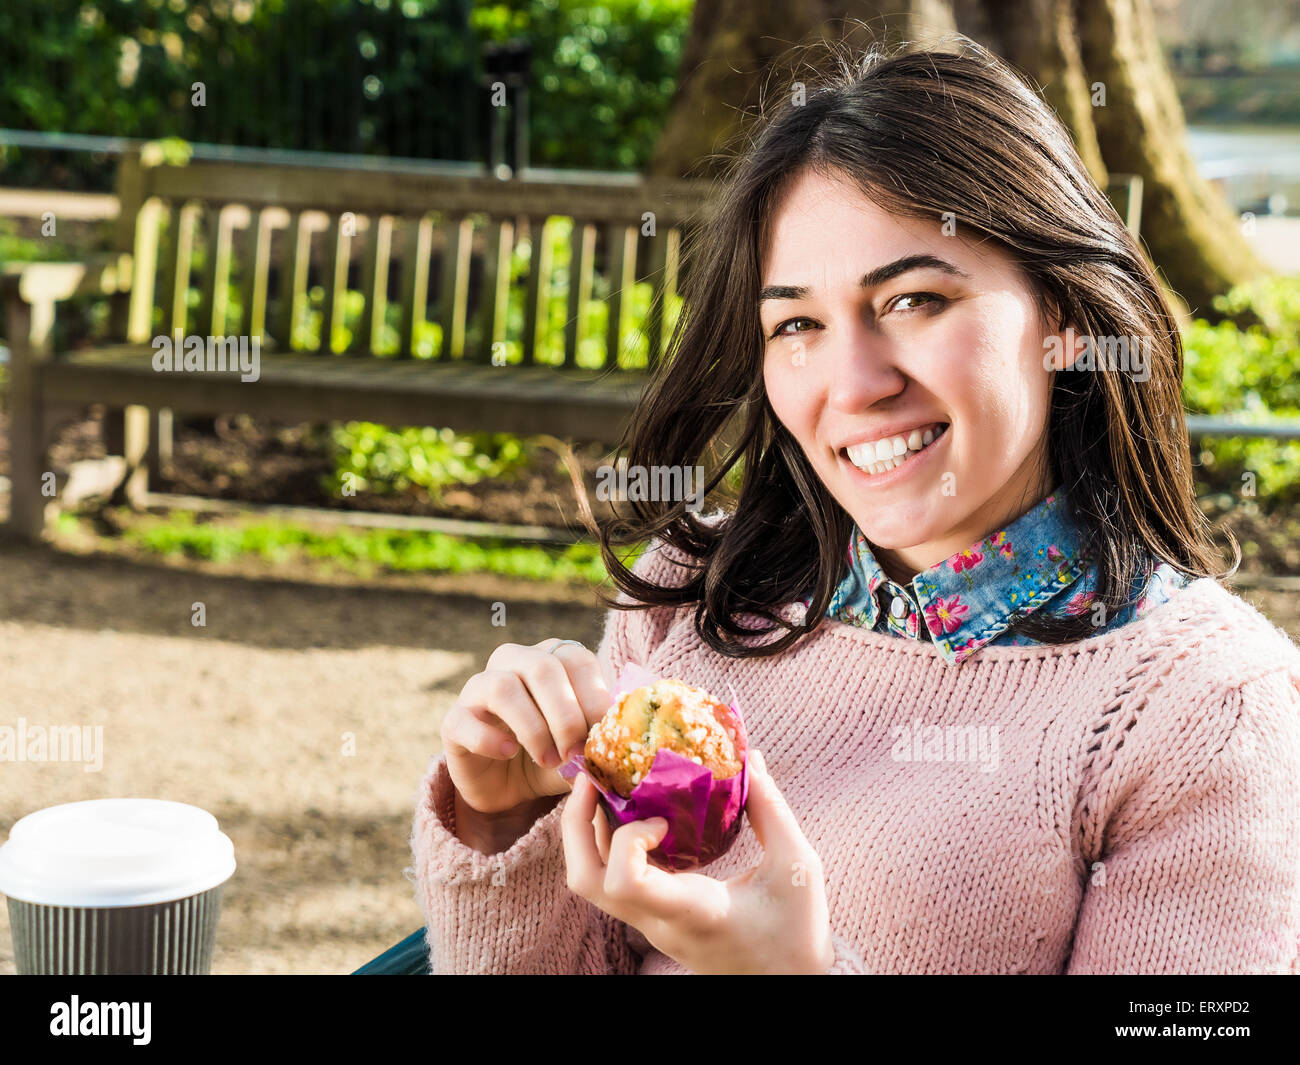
<point x="970" y="599"/>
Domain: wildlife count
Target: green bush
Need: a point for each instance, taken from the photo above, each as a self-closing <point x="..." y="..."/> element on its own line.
<point x="14" y="248"/>
<point x="1228" y="371"/>
<point x="383" y="460"/>
<point x="321" y="75"/>
<point x="603" y="75"/>
<point x="179" y="534"/>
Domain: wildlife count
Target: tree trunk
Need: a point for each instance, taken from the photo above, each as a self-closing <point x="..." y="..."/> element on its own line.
<point x="1079" y="51"/>
<point x="728" y="58"/>
<point x="1191" y="233"/>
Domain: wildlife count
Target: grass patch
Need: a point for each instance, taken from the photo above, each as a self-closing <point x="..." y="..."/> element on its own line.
<point x="361" y="551"/>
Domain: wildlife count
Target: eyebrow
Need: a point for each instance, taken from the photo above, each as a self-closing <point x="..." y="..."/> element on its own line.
<point x="871" y="279"/>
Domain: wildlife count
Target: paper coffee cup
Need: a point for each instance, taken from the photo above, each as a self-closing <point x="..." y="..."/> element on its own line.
<point x="115" y="886"/>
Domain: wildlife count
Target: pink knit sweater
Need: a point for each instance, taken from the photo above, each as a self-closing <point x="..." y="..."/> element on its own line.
<point x="1126" y="804"/>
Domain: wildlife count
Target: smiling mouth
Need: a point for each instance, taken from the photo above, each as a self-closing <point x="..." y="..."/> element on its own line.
<point x="874" y="466"/>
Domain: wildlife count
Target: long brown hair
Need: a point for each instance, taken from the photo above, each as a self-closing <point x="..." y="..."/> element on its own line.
<point x="921" y="134"/>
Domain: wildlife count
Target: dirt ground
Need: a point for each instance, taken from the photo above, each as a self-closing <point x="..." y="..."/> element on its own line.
<point x="248" y="718"/>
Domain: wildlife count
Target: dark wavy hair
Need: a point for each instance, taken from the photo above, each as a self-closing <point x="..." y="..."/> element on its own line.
<point x="921" y="134"/>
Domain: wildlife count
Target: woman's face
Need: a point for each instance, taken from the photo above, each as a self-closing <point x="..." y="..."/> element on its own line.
<point x="884" y="328"/>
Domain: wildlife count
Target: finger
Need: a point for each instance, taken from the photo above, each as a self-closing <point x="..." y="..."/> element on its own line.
<point x="503" y="656"/>
<point x="603" y="834"/>
<point x="771" y="818"/>
<point x="587" y="680"/>
<point x="547" y="679"/>
<point x="584" y="870"/>
<point x="631" y="882"/>
<point x="501" y="694"/>
<point x="466" y="731"/>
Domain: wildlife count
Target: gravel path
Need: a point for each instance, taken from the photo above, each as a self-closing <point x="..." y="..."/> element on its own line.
<point x="246" y="717"/>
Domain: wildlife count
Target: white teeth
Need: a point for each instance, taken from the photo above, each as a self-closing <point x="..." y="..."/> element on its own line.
<point x="891" y="452"/>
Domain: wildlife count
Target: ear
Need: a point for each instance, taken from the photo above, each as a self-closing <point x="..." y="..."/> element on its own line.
<point x="1062" y="348"/>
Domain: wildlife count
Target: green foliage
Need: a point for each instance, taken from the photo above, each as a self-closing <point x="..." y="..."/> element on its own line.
<point x="355" y="550"/>
<point x="379" y="459"/>
<point x="14" y="248"/>
<point x="1228" y="370"/>
<point x="603" y="74"/>
<point x="389" y="77"/>
<point x="386" y="77"/>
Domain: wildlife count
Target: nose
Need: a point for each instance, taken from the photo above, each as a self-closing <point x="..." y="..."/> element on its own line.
<point x="862" y="371"/>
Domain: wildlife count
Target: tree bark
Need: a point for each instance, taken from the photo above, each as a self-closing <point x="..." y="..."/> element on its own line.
<point x="729" y="58"/>
<point x="1191" y="233"/>
<point x="1069" y="48"/>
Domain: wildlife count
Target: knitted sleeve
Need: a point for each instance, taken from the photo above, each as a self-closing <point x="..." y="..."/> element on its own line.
<point x="513" y="912"/>
<point x="1198" y="839"/>
<point x="848" y="962"/>
<point x="510" y="912"/>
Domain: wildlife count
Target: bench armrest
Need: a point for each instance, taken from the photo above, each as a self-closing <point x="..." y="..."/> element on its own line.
<point x="39" y="282"/>
<point x="29" y="291"/>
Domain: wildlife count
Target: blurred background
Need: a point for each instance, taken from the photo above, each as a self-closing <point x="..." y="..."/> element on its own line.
<point x="267" y="598"/>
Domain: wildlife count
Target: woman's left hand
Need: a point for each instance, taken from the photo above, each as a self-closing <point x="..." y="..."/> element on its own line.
<point x="771" y="919"/>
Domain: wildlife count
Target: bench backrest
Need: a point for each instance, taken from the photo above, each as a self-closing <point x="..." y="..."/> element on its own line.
<point x="248" y="217"/>
<point x="242" y="219"/>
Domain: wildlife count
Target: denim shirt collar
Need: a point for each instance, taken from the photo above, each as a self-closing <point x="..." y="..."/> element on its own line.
<point x="974" y="596"/>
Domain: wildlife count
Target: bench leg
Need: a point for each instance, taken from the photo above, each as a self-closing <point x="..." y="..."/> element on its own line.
<point x="30" y="490"/>
<point x="126" y="433"/>
<point x="160" y="454"/>
<point x="31" y="483"/>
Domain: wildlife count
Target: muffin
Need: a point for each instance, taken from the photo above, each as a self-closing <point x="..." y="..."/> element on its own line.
<point x="668" y="714"/>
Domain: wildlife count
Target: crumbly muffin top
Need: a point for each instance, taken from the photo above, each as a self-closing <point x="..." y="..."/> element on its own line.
<point x="668" y="713"/>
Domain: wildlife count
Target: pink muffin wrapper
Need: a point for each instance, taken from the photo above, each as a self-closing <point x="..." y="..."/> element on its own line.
<point x="704" y="815"/>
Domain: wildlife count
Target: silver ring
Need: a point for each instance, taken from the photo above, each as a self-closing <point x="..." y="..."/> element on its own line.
<point x="562" y="643"/>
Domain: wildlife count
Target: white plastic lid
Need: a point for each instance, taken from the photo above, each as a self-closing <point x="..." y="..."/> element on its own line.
<point x="114" y="852"/>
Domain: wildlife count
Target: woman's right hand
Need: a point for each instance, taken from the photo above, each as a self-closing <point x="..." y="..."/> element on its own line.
<point x="519" y="719"/>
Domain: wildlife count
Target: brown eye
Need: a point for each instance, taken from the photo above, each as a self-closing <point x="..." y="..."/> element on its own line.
<point x="778" y="332"/>
<point x="929" y="297"/>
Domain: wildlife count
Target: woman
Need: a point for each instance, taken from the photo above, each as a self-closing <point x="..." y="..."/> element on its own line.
<point x="1009" y="720"/>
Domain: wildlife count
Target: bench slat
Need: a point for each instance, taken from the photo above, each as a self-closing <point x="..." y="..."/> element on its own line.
<point x="581" y="269"/>
<point x="538" y="300"/>
<point x="213" y="294"/>
<point x="374" y="285"/>
<point x="148" y="225"/>
<point x="463" y="396"/>
<point x="453" y="299"/>
<point x="338" y="248"/>
<point x="622" y="246"/>
<point x="415" y="280"/>
<point x="255" y="276"/>
<point x="612" y="198"/>
<point x="495" y="292"/>
<point x="176" y="267"/>
<point x="293" y="280"/>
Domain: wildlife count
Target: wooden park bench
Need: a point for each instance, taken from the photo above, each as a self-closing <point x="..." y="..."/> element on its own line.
<point x="282" y="226"/>
<point x="278" y="225"/>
